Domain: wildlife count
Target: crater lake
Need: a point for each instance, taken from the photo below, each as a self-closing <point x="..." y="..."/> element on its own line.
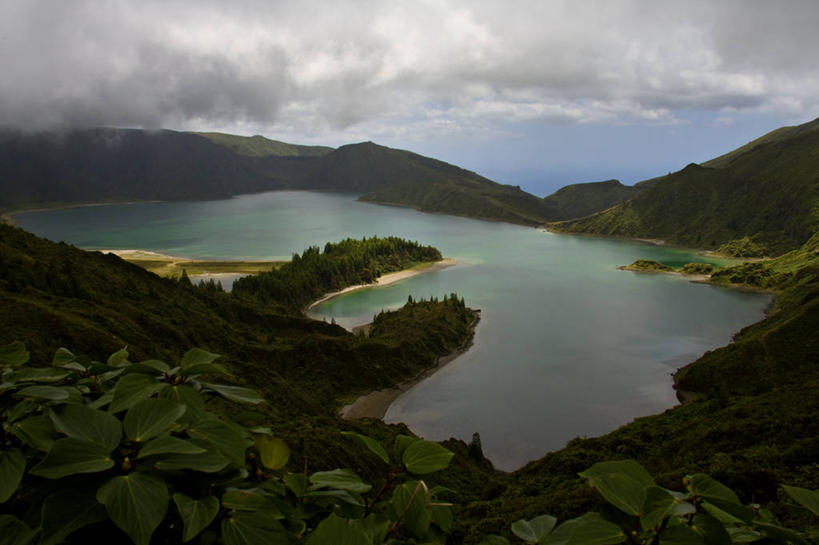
<point x="567" y="344"/>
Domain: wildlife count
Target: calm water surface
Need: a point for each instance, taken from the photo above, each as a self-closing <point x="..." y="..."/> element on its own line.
<point x="567" y="345"/>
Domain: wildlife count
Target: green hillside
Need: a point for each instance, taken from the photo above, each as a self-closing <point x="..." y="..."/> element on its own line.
<point x="259" y="146"/>
<point x="580" y="200"/>
<point x="469" y="198"/>
<point x="767" y="191"/>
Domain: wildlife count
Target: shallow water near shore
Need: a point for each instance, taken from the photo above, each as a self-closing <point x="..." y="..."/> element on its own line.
<point x="567" y="345"/>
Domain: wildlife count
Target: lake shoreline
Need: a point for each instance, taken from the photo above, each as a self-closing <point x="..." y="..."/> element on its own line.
<point x="387" y="279"/>
<point x="375" y="404"/>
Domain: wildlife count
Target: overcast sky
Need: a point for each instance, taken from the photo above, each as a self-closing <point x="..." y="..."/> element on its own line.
<point x="538" y="93"/>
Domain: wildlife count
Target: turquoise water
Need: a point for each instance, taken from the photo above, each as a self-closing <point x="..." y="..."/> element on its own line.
<point x="567" y="345"/>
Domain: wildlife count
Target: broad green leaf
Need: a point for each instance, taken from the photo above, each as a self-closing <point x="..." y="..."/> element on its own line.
<point x="205" y="368"/>
<point x="809" y="499"/>
<point x="228" y="438"/>
<point x="374" y="526"/>
<point x="340" y="479"/>
<point x="253" y="529"/>
<point x="156" y="365"/>
<point x="658" y="505"/>
<point x="622" y="483"/>
<point x="532" y="531"/>
<point x="14" y="354"/>
<point x="727" y="511"/>
<point x="680" y="534"/>
<point x="196" y="514"/>
<point x="70" y="456"/>
<point x="36" y="431"/>
<point x="82" y="422"/>
<point x="136" y="502"/>
<point x="783" y="535"/>
<point x="711" y="489"/>
<point x="297" y="483"/>
<point x="342" y="495"/>
<point x="21" y="410"/>
<point x="102" y="400"/>
<point x="442" y="516"/>
<point x="49" y="393"/>
<point x="63" y="356"/>
<point x="131" y="389"/>
<point x="373" y="445"/>
<point x="710" y="529"/>
<point x="189" y="397"/>
<point x="410" y="498"/>
<point x="150" y="418"/>
<point x="401" y="443"/>
<point x="118" y="358"/>
<point x="197" y="356"/>
<point x="273" y="451"/>
<point x="596" y="532"/>
<point x="12" y="468"/>
<point x="206" y="462"/>
<point x="67" y="511"/>
<point x="168" y="445"/>
<point x="743" y="535"/>
<point x="40" y="374"/>
<point x="423" y="457"/>
<point x="142" y="369"/>
<point x="335" y="530"/>
<point x="249" y="500"/>
<point x="14" y="531"/>
<point x="236" y="394"/>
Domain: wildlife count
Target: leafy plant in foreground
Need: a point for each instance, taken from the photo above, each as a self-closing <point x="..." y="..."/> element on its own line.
<point x="86" y="445"/>
<point x="639" y="512"/>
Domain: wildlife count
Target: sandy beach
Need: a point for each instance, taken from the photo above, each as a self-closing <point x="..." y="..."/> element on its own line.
<point x="375" y="404"/>
<point x="389" y="278"/>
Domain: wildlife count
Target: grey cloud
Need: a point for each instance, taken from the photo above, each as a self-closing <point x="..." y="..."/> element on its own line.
<point x="327" y="66"/>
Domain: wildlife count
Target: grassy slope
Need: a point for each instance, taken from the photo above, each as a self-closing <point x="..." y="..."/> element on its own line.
<point x="259" y="146"/>
<point x="768" y="192"/>
<point x="580" y="200"/>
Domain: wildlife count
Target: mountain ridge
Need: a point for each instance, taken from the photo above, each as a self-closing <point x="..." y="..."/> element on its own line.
<point x="766" y="191"/>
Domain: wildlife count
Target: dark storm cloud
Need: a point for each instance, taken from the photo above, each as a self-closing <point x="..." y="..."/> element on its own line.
<point x="445" y="65"/>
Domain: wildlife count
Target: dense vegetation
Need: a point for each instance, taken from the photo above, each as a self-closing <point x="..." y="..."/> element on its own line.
<point x="89" y="450"/>
<point x="580" y="200"/>
<point x="647" y="265"/>
<point x="347" y="263"/>
<point x="761" y="198"/>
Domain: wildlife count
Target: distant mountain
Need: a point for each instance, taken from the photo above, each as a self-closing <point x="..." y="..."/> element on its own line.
<point x="259" y="146"/>
<point x="105" y="165"/>
<point x="579" y="200"/>
<point x="115" y="165"/>
<point x="403" y="178"/>
<point x="763" y="196"/>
